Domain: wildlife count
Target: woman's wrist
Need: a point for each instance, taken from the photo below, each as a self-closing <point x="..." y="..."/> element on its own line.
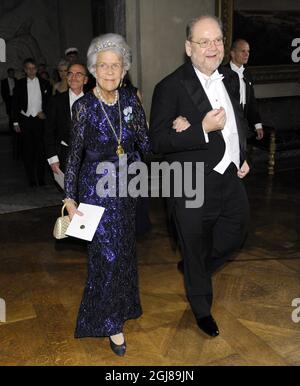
<point x="68" y="200"/>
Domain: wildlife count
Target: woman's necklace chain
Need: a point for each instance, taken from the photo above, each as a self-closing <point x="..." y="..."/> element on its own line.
<point x="120" y="149"/>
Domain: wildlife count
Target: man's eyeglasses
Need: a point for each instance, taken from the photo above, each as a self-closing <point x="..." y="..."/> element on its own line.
<point x="104" y="67"/>
<point x="78" y="75"/>
<point x="205" y="43"/>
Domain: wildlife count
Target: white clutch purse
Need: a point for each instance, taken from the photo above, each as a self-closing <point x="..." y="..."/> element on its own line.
<point x="61" y="225"/>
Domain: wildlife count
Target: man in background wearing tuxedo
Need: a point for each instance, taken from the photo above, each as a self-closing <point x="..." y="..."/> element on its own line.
<point x="195" y="118"/>
<point x="28" y="110"/>
<point x="239" y="53"/>
<point x="7" y="89"/>
<point x="58" y="124"/>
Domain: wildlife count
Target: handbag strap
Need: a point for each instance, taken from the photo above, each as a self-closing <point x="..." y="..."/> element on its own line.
<point x="63" y="209"/>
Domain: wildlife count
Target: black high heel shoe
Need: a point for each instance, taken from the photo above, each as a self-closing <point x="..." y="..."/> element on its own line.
<point x="118" y="349"/>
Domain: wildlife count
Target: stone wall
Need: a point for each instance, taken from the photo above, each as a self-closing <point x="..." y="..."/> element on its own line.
<point x="156" y="32"/>
<point x="43" y="30"/>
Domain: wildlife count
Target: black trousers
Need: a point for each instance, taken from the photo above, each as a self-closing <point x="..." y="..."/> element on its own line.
<point x="8" y="105"/>
<point x="33" y="149"/>
<point x="210" y="234"/>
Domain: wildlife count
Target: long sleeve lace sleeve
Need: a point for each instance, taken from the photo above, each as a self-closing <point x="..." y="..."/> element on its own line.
<point x="141" y="129"/>
<point x="75" y="149"/>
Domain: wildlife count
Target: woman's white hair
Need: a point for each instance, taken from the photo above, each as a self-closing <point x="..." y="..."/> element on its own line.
<point x="108" y="42"/>
<point x="62" y="62"/>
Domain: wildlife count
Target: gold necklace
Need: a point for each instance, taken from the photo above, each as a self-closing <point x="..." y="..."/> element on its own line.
<point x="120" y="149"/>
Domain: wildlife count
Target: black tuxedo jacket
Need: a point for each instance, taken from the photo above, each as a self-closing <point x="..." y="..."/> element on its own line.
<point x="20" y="97"/>
<point x="181" y="93"/>
<point x="251" y="110"/>
<point x="5" y="89"/>
<point x="58" y="123"/>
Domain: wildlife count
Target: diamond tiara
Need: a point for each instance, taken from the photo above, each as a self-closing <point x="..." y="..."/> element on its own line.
<point x="109" y="44"/>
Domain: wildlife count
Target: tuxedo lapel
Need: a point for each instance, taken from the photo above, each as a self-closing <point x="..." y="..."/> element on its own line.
<point x="44" y="90"/>
<point x="66" y="106"/>
<point x="64" y="115"/>
<point x="248" y="85"/>
<point x="231" y="81"/>
<point x="195" y="90"/>
<point x="24" y="97"/>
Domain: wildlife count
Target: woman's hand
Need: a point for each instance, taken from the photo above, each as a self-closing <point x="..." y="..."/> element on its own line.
<point x="181" y="124"/>
<point x="72" y="209"/>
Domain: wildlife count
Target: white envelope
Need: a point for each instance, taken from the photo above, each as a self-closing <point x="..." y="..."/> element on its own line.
<point x="59" y="178"/>
<point x="84" y="227"/>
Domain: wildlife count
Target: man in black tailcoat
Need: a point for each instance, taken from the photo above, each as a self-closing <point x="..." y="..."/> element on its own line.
<point x="196" y="118"/>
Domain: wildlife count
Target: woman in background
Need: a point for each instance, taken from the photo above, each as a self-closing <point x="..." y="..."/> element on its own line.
<point x="62" y="85"/>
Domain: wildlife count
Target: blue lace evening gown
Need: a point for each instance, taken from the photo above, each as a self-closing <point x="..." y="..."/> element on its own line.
<point x="111" y="294"/>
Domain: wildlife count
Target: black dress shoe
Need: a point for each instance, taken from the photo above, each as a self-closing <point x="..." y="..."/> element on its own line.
<point x="208" y="325"/>
<point x="118" y="349"/>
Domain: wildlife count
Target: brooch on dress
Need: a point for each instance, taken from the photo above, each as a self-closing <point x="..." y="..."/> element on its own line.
<point x="128" y="114"/>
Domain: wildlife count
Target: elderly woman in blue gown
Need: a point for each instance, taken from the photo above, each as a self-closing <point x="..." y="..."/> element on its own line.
<point x="108" y="122"/>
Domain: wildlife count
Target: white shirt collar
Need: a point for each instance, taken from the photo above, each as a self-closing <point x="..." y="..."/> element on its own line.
<point x="237" y="69"/>
<point x="207" y="80"/>
<point x="214" y="75"/>
<point x="75" y="96"/>
<point x="32" y="80"/>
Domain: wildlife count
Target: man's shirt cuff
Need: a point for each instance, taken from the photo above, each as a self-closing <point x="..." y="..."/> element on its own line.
<point x="53" y="160"/>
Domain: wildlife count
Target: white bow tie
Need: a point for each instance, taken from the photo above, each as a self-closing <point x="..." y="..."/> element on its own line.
<point x="240" y="72"/>
<point x="213" y="78"/>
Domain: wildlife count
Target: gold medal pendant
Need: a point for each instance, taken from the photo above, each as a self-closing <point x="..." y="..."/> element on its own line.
<point x="120" y="150"/>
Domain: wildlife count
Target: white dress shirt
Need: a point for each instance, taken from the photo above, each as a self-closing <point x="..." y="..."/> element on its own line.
<point x="34" y="98"/>
<point x="72" y="98"/>
<point x="240" y="72"/>
<point x="218" y="97"/>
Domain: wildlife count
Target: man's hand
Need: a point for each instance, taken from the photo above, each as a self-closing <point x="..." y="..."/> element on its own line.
<point x="41" y="115"/>
<point x="55" y="167"/>
<point x="259" y="134"/>
<point x="244" y="170"/>
<point x="214" y="120"/>
<point x="181" y="124"/>
<point x="17" y="128"/>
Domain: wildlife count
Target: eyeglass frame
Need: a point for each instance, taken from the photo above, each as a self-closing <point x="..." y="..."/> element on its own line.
<point x="109" y="67"/>
<point x="78" y="75"/>
<point x="222" y="42"/>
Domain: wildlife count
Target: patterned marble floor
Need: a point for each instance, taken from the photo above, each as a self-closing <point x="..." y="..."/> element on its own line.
<point x="42" y="281"/>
